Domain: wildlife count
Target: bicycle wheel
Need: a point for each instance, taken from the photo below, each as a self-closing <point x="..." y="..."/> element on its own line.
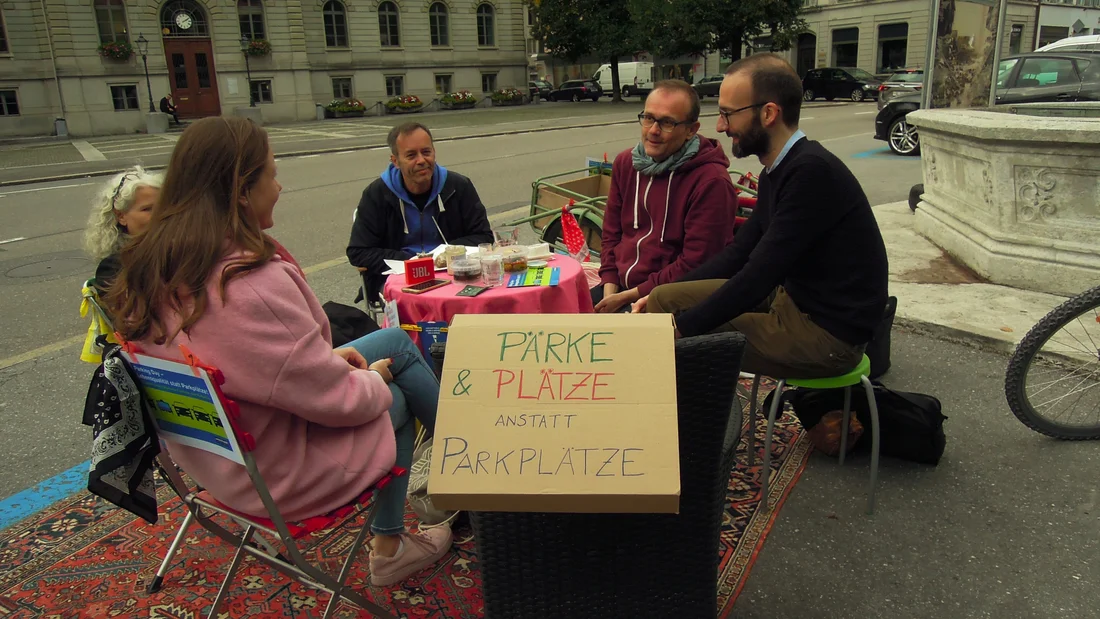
<point x="1053" y="379"/>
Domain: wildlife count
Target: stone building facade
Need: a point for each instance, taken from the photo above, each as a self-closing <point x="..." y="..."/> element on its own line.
<point x="882" y="35"/>
<point x="56" y="57"/>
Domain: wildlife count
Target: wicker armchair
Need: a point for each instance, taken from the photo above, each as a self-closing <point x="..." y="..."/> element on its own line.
<point x="629" y="565"/>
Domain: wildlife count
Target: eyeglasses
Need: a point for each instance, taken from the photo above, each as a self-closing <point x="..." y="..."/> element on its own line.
<point x="118" y="190"/>
<point x="666" y="124"/>
<point x="726" y="115"/>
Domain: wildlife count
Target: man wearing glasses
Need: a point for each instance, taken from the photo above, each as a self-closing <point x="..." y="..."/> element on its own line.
<point x="805" y="279"/>
<point x="671" y="203"/>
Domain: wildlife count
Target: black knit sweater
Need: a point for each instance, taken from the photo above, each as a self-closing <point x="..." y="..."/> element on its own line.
<point x="812" y="232"/>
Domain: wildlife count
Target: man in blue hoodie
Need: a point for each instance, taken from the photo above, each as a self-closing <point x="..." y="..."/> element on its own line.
<point x="415" y="206"/>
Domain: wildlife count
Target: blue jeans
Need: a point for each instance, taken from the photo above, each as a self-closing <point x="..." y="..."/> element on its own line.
<point x="415" y="395"/>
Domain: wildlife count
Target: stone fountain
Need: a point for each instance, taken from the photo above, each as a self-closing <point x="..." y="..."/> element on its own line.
<point x="1013" y="192"/>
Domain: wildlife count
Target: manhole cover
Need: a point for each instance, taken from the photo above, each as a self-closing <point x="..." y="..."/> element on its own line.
<point x="46" y="267"/>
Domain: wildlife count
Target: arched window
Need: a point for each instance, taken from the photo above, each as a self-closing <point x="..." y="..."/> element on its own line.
<point x="183" y="18"/>
<point x="336" y="24"/>
<point x="388" y="25"/>
<point x="486" y="36"/>
<point x="437" y="23"/>
<point x="251" y="16"/>
<point x="110" y="19"/>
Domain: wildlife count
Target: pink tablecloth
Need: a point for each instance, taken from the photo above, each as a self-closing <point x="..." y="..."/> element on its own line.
<point x="570" y="296"/>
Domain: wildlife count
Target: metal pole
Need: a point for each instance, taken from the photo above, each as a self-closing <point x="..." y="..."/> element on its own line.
<point x="997" y="52"/>
<point x="930" y="64"/>
<point x="248" y="72"/>
<point x="148" y="86"/>
<point x="53" y="56"/>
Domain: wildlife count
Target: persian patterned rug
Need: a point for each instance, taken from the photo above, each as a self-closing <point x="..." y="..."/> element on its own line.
<point x="83" y="557"/>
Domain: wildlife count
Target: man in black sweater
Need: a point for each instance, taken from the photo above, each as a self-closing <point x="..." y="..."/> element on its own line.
<point x="805" y="279"/>
<point x="414" y="206"/>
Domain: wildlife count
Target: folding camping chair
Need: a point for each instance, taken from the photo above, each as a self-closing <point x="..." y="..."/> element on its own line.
<point x="212" y="425"/>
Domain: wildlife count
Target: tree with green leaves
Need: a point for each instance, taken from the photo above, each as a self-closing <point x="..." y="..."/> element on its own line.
<point x="571" y="29"/>
<point x="737" y="22"/>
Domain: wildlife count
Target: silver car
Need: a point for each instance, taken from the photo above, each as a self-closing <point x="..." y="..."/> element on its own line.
<point x="902" y="82"/>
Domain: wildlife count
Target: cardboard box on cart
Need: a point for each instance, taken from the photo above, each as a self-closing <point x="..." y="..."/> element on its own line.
<point x="551" y="197"/>
<point x="557" y="413"/>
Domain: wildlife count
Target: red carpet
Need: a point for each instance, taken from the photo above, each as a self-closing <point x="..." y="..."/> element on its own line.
<point x="85" y="558"/>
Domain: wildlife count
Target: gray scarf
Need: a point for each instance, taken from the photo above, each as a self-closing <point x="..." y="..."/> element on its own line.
<point x="645" y="164"/>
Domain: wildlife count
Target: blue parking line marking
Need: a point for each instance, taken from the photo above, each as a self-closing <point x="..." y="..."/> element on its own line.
<point x="43" y="494"/>
<point x="871" y="153"/>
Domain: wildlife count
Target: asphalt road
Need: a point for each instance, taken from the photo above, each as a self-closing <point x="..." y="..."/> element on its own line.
<point x="1007" y="526"/>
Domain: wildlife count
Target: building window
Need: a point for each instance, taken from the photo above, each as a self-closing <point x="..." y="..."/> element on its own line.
<point x="1014" y="39"/>
<point x="251" y="16"/>
<point x="488" y="82"/>
<point x="261" y="91"/>
<point x="183" y="18"/>
<point x="437" y="24"/>
<point x="110" y="18"/>
<point x="9" y="103"/>
<point x="893" y="43"/>
<point x="846" y="47"/>
<point x="395" y="85"/>
<point x="3" y="35"/>
<point x="387" y="25"/>
<point x="1050" y="34"/>
<point x="336" y="24"/>
<point x="442" y="84"/>
<point x="341" y="88"/>
<point x="124" y="97"/>
<point x="486" y="36"/>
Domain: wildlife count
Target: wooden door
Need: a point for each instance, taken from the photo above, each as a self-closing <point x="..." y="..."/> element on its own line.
<point x="191" y="75"/>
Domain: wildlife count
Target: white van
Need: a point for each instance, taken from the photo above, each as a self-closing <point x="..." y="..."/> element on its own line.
<point x="1083" y="43"/>
<point x="635" y="78"/>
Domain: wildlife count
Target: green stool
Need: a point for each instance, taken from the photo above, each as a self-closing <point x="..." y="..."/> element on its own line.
<point x="858" y="375"/>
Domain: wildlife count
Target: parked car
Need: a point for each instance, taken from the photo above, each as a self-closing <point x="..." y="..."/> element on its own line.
<point x="635" y="78"/>
<point x="836" y="82"/>
<point x="575" y="90"/>
<point x="1048" y="76"/>
<point x="905" y="81"/>
<point x="543" y="89"/>
<point x="1038" y="77"/>
<point x="1085" y="43"/>
<point x="890" y="124"/>
<point x="708" y="86"/>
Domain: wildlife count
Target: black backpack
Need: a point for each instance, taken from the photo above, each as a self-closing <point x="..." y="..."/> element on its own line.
<point x="910" y="424"/>
<point x="348" y="323"/>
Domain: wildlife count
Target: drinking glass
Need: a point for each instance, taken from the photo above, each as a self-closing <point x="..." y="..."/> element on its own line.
<point x="506" y="236"/>
<point x="492" y="269"/>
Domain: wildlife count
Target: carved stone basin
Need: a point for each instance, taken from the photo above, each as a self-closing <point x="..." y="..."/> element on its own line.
<point x="1015" y="194"/>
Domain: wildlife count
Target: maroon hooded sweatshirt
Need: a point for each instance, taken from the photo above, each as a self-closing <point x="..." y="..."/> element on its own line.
<point x="657" y="229"/>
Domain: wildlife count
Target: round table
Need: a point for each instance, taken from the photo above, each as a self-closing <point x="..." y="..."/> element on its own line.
<point x="570" y="296"/>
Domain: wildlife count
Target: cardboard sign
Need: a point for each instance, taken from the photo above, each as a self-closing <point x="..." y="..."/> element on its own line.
<point x="557" y="413"/>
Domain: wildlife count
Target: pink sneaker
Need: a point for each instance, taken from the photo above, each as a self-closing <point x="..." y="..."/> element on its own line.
<point x="418" y="551"/>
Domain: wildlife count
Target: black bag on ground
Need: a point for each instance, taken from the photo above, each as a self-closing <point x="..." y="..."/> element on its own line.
<point x="348" y="323"/>
<point x="910" y="424"/>
<point x="878" y="349"/>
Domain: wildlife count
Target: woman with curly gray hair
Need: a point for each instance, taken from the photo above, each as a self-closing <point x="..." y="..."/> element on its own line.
<point x="122" y="209"/>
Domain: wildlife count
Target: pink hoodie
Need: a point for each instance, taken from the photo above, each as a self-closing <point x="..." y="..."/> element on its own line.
<point x="322" y="432"/>
<point x="657" y="229"/>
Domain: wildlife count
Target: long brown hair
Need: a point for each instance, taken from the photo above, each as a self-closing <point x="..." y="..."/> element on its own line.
<point x="197" y="219"/>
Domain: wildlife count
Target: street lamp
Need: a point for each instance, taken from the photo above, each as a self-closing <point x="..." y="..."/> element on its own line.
<point x="143" y="49"/>
<point x="248" y="70"/>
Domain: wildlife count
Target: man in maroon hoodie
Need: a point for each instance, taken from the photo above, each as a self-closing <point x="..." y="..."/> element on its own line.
<point x="671" y="205"/>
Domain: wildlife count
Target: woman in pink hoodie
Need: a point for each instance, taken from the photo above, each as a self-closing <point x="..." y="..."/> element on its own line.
<point x="327" y="423"/>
